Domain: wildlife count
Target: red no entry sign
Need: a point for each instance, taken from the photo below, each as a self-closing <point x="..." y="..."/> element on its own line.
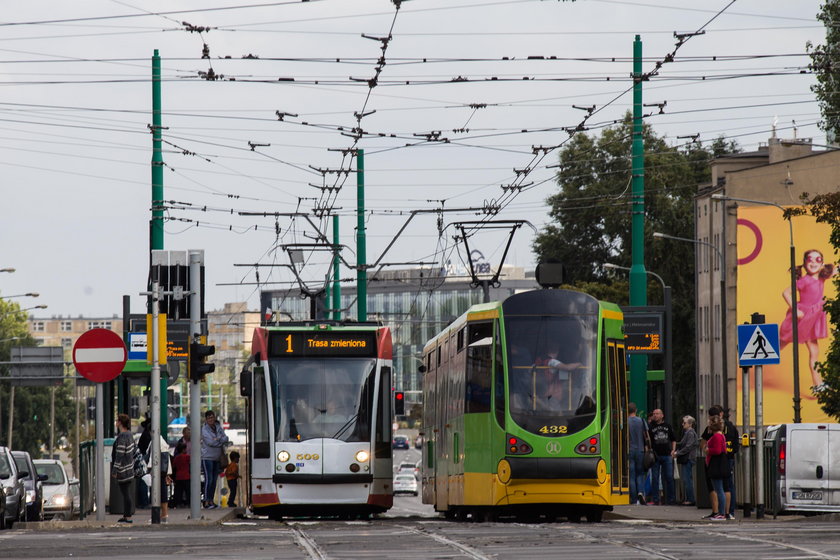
<point x="99" y="355"/>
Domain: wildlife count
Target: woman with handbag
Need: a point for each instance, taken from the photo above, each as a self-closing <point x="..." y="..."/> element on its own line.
<point x="686" y="455"/>
<point x="717" y="465"/>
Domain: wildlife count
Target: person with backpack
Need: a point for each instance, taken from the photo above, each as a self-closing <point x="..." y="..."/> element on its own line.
<point x="122" y="463"/>
<point x="730" y="435"/>
<point x="717" y="467"/>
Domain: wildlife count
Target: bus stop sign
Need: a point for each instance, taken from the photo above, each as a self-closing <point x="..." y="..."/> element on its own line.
<point x="99" y="355"/>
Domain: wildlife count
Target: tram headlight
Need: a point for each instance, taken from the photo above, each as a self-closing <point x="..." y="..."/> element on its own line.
<point x="362" y="456"/>
<point x="283" y="456"/>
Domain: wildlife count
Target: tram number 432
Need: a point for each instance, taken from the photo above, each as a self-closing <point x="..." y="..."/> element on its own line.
<point x="553" y="430"/>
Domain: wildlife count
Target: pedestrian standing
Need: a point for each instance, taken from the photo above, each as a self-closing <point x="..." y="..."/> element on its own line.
<point x="232" y="476"/>
<point x="181" y="466"/>
<point x="637" y="428"/>
<point x="686" y="455"/>
<point x="664" y="444"/>
<point x="717" y="465"/>
<point x="213" y="440"/>
<point x="122" y="463"/>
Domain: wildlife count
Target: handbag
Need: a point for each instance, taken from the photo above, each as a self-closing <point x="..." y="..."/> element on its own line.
<point x="648" y="459"/>
<point x="682" y="459"/>
<point x="140" y="468"/>
<point x="224" y="460"/>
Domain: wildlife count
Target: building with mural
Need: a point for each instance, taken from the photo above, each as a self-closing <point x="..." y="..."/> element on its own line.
<point x="753" y="240"/>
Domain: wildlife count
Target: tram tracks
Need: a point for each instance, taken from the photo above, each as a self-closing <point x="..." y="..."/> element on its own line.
<point x="307" y="544"/>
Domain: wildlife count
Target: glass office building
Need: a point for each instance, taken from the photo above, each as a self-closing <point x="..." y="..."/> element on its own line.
<point x="415" y="303"/>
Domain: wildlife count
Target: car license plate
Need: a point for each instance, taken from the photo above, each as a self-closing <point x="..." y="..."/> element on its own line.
<point x="807" y="495"/>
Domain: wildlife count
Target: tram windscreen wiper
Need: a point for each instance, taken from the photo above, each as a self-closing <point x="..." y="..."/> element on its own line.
<point x="345" y="426"/>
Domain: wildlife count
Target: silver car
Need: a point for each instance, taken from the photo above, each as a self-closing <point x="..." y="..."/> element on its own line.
<point x="14" y="488"/>
<point x="58" y="499"/>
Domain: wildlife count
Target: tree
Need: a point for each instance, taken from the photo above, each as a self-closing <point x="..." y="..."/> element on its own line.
<point x="591" y="215"/>
<point x="31" y="419"/>
<point x="826" y="208"/>
<point x="824" y="65"/>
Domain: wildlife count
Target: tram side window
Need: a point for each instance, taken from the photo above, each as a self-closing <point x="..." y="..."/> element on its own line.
<point x="383" y="425"/>
<point x="479" y="366"/>
<point x="259" y="402"/>
<point x="499" y="374"/>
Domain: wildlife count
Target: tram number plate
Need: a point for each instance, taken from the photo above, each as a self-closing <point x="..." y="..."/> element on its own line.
<point x="807" y="495"/>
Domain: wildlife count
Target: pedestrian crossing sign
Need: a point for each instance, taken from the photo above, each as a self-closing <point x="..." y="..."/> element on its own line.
<point x="758" y="344"/>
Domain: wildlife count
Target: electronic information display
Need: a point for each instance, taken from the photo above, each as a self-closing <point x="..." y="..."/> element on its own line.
<point x="299" y="344"/>
<point x="643" y="333"/>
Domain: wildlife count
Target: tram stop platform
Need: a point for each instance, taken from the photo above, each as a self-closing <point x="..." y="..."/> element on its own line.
<point x="678" y="513"/>
<point x="141" y="518"/>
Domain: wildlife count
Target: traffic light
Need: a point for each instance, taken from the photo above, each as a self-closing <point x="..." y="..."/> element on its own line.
<point x="399" y="403"/>
<point x="197" y="366"/>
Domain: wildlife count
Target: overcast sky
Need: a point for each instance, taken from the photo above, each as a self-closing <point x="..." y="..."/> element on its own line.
<point x="75" y="102"/>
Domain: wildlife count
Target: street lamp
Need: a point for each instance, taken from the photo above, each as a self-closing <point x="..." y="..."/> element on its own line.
<point x="723" y="345"/>
<point x="666" y="302"/>
<point x="797" y="406"/>
<point x="27" y="294"/>
<point x="7" y="269"/>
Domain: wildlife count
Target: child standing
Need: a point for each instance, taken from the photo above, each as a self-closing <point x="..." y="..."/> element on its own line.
<point x="181" y="462"/>
<point x="232" y="476"/>
<point x="811" y="324"/>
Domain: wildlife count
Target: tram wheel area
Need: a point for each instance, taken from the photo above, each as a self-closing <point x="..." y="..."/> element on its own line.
<point x="525" y="514"/>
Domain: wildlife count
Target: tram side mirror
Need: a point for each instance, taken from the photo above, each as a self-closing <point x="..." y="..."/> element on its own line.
<point x="549" y="275"/>
<point x="246" y="380"/>
<point x="421" y="369"/>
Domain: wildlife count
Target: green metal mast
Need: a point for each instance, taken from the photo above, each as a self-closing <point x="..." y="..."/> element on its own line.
<point x="156" y="242"/>
<point x="361" y="241"/>
<point x="638" y="276"/>
<point x="336" y="287"/>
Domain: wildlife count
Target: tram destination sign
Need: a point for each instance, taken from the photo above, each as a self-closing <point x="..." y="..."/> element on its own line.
<point x="643" y="333"/>
<point x="297" y="344"/>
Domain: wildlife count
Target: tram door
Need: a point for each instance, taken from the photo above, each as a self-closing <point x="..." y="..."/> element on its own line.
<point x="260" y="461"/>
<point x="443" y="427"/>
<point x="617" y="380"/>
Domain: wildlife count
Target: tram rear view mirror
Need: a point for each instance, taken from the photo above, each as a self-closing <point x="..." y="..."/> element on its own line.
<point x="421" y="369"/>
<point x="246" y="379"/>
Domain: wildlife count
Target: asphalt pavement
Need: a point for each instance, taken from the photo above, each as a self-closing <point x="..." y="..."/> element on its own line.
<point x="141" y="517"/>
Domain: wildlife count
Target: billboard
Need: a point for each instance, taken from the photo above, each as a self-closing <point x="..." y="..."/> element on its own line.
<point x="764" y="286"/>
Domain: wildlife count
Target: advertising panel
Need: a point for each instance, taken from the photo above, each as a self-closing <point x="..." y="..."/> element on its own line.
<point x="764" y="286"/>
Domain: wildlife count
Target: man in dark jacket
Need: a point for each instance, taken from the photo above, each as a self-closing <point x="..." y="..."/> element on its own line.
<point x="664" y="444"/>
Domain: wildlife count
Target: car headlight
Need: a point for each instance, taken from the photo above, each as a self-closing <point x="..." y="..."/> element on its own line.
<point x="59" y="500"/>
<point x="30" y="496"/>
<point x="283" y="456"/>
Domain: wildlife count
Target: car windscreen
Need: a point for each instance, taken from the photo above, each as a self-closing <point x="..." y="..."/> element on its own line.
<point x="54" y="472"/>
<point x="20" y="462"/>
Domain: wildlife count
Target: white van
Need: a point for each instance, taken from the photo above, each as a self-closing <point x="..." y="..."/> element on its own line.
<point x="802" y="467"/>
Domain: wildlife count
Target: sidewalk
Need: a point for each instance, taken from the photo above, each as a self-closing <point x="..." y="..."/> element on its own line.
<point x="141" y="518"/>
<point x="685" y="514"/>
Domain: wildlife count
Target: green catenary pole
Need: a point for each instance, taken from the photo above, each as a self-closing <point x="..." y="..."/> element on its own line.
<point x="156" y="242"/>
<point x="638" y="276"/>
<point x="336" y="287"/>
<point x="361" y="249"/>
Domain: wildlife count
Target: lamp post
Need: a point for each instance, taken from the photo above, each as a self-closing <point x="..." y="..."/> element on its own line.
<point x="666" y="302"/>
<point x="723" y="344"/>
<point x="27" y="294"/>
<point x="7" y="269"/>
<point x="797" y="406"/>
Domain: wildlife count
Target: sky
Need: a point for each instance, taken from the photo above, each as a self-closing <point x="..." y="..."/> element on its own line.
<point x="457" y="105"/>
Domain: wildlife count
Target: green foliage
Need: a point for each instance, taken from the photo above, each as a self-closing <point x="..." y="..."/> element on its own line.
<point x="31" y="422"/>
<point x="591" y="225"/>
<point x="826" y="208"/>
<point x="824" y="64"/>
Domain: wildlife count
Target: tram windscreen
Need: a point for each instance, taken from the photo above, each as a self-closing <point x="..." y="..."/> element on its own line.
<point x="551" y="372"/>
<point x="322" y="398"/>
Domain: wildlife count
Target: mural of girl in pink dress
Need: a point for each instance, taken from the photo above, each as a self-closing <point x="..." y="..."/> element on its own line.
<point x="812" y="324"/>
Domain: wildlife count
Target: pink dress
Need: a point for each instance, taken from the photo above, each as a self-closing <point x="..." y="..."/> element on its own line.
<point x="813" y="324"/>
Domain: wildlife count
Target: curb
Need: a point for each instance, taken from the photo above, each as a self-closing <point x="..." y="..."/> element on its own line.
<point x="89" y="523"/>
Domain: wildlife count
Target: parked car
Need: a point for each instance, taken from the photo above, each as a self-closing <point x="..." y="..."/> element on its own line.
<point x="405" y="484"/>
<point x="418" y="442"/>
<point x="58" y="501"/>
<point x="2" y="507"/>
<point x="14" y="488"/>
<point x="400" y="442"/>
<point x="408" y="468"/>
<point x="33" y="485"/>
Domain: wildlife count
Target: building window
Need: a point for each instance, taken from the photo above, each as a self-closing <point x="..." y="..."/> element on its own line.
<point x="67" y="342"/>
<point x="67" y="326"/>
<point x="37" y="326"/>
<point x="99" y="325"/>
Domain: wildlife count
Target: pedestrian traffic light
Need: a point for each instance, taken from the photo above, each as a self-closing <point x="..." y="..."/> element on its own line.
<point x="399" y="403"/>
<point x="197" y="366"/>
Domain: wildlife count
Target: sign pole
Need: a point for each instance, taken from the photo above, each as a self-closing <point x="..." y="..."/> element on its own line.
<point x="196" y="258"/>
<point x="99" y="470"/>
<point x="155" y="382"/>
<point x="759" y="442"/>
<point x="745" y="430"/>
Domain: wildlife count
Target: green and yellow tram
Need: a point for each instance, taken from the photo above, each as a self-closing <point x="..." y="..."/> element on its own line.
<point x="525" y="409"/>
